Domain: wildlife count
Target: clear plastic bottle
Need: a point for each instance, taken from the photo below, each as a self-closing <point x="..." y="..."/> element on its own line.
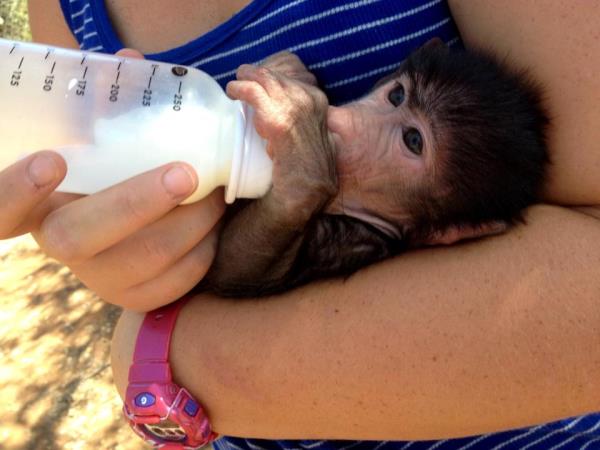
<point x="112" y="118"/>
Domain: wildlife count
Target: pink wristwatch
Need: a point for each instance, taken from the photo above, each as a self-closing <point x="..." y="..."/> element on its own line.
<point x="162" y="413"/>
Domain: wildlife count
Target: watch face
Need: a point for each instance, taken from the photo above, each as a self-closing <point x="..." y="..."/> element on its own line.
<point x="166" y="431"/>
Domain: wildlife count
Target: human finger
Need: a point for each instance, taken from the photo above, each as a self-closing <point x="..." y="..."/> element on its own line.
<point x="152" y="250"/>
<point x="85" y="227"/>
<point x="130" y="53"/>
<point x="26" y="184"/>
<point x="36" y="216"/>
<point x="179" y="279"/>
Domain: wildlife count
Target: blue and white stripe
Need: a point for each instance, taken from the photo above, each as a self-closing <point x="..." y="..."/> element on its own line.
<point x="352" y="30"/>
<point x="579" y="433"/>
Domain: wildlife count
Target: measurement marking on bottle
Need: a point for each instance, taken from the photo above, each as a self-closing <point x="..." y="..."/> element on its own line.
<point x="118" y="75"/>
<point x="119" y="66"/>
<point x="48" y="82"/>
<point x="114" y="91"/>
<point x="12" y="49"/>
<point x="179" y="90"/>
<point x="15" y="78"/>
<point x="147" y="98"/>
<point x="83" y="60"/>
<point x="85" y="72"/>
<point x="80" y="91"/>
<point x="177" y="102"/>
<point x="149" y="83"/>
<point x="21" y="63"/>
<point x="47" y="54"/>
<point x="154" y="69"/>
<point x="53" y="66"/>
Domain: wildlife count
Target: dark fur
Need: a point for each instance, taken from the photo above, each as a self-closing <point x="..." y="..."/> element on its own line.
<point x="331" y="246"/>
<point x="490" y="129"/>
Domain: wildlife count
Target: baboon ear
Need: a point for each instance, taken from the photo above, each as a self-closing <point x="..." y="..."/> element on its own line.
<point x="456" y="233"/>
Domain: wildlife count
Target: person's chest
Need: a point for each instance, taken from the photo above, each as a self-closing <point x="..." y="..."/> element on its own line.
<point x="152" y="26"/>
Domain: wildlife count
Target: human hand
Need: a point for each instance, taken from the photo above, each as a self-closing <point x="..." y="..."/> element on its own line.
<point x="131" y="243"/>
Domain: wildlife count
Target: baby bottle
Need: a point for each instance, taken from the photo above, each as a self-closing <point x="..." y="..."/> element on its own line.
<point x="113" y="117"/>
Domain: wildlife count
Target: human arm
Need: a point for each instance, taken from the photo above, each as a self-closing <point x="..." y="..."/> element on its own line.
<point x="512" y="321"/>
<point x="441" y="342"/>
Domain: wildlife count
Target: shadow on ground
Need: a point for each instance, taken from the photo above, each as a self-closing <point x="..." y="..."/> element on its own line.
<point x="55" y="380"/>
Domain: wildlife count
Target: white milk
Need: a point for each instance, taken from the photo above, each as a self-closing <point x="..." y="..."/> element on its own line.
<point x="112" y="118"/>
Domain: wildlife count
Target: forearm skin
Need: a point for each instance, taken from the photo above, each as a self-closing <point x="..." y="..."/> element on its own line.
<point x="438" y="343"/>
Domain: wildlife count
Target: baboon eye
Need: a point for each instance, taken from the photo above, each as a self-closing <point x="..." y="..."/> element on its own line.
<point x="396" y="95"/>
<point x="413" y="140"/>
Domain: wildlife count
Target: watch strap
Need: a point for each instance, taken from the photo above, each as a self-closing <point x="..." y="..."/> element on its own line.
<point x="151" y="354"/>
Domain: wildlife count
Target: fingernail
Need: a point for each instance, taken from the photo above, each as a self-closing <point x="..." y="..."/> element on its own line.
<point x="178" y="181"/>
<point x="43" y="170"/>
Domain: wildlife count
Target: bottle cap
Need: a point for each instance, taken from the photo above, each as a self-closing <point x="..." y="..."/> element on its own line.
<point x="252" y="169"/>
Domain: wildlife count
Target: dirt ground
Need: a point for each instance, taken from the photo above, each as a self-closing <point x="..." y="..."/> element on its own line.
<point x="55" y="381"/>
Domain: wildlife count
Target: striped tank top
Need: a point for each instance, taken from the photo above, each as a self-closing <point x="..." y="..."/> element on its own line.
<point x="348" y="45"/>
